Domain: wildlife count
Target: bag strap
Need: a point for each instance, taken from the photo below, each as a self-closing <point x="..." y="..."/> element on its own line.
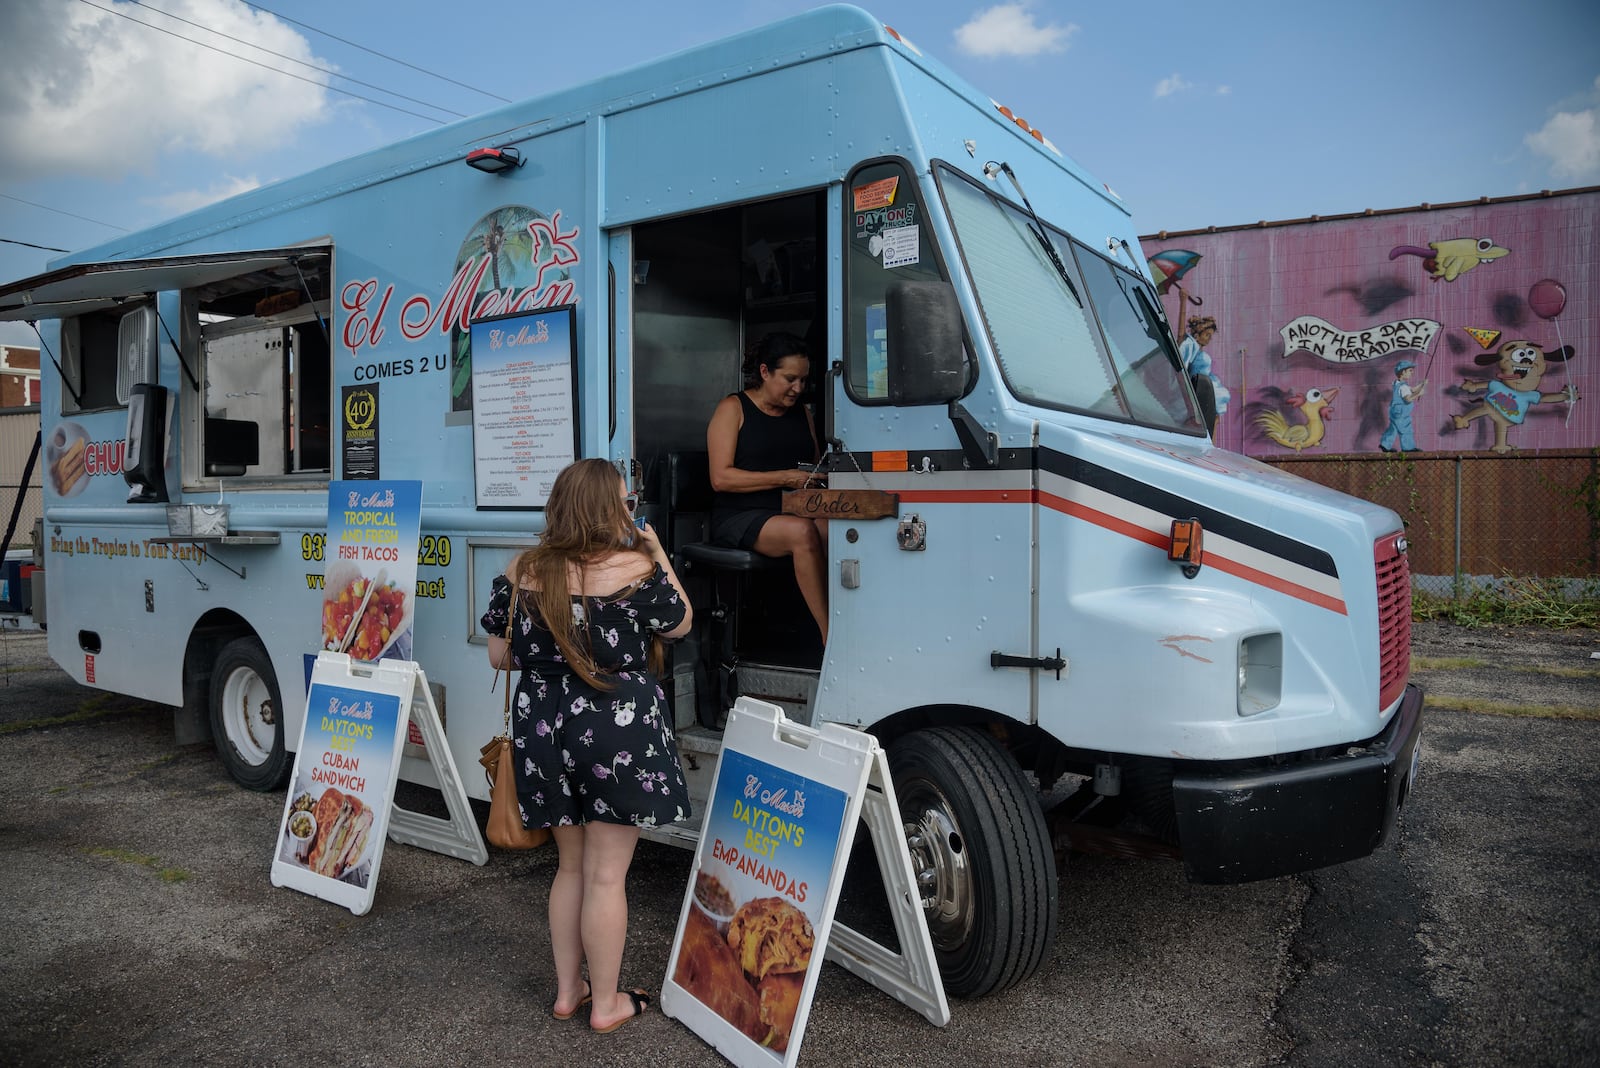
<point x="511" y="617"/>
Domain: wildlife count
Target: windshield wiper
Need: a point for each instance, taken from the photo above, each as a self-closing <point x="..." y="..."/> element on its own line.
<point x="991" y="169"/>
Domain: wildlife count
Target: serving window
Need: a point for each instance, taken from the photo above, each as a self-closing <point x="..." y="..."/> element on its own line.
<point x="260" y="403"/>
<point x="89" y="361"/>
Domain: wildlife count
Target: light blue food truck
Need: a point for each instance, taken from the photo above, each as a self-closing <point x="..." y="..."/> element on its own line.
<point x="1076" y="616"/>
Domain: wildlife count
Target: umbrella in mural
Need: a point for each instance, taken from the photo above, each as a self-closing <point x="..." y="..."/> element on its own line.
<point x="1168" y="268"/>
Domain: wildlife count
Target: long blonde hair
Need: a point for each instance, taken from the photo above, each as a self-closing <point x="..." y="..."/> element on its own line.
<point x="585" y="522"/>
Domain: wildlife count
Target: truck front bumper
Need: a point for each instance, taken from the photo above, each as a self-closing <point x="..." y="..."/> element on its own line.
<point x="1239" y="826"/>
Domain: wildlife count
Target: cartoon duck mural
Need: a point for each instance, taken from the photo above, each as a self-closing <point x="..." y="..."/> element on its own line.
<point x="1313" y="403"/>
<point x="1452" y="259"/>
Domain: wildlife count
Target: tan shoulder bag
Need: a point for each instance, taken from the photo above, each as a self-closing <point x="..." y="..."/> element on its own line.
<point x="505" y="829"/>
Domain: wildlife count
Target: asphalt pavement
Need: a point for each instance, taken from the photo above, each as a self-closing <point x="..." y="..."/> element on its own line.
<point x="141" y="929"/>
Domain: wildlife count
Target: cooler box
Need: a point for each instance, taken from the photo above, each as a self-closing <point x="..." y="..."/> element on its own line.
<point x="36" y="584"/>
<point x="11" y="586"/>
<point x="25" y="586"/>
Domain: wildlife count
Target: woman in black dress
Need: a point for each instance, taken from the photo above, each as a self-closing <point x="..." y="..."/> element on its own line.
<point x="595" y="754"/>
<point x="755" y="442"/>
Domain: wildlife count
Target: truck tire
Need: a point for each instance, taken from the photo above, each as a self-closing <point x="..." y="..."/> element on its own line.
<point x="246" y="718"/>
<point x="982" y="856"/>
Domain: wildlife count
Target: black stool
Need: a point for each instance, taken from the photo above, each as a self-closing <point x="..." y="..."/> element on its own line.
<point x="689" y="492"/>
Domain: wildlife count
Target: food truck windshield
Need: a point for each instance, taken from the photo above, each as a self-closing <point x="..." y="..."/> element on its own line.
<point x="1082" y="336"/>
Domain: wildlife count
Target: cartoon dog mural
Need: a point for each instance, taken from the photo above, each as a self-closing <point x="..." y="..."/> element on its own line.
<point x="1452" y="259"/>
<point x="1514" y="388"/>
<point x="1312" y="404"/>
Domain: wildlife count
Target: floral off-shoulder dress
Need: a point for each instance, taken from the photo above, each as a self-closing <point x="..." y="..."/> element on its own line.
<point x="585" y="754"/>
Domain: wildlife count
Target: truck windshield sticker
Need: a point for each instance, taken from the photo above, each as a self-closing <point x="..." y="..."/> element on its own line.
<point x="871" y="223"/>
<point x="901" y="246"/>
<point x="879" y="194"/>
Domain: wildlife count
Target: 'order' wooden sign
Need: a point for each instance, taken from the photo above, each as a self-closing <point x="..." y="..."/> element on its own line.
<point x="841" y="504"/>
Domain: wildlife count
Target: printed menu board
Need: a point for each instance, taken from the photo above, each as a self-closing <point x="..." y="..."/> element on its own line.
<point x="524" y="405"/>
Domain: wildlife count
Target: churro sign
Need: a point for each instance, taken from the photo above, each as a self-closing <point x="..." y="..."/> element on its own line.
<point x="72" y="458"/>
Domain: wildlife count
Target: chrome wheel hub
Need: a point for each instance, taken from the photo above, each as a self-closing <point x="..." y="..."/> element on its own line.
<point x="939" y="860"/>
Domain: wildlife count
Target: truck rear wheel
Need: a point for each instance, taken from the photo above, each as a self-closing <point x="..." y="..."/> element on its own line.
<point x="981" y="854"/>
<point x="246" y="716"/>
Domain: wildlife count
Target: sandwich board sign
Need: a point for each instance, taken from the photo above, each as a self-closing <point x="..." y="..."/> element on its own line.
<point x="758" y="913"/>
<point x="340" y="808"/>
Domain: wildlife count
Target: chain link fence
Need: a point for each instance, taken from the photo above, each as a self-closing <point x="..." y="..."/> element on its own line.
<point x="1471" y="520"/>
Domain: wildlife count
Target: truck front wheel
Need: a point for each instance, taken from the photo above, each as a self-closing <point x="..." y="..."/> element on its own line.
<point x="246" y="716"/>
<point x="982" y="857"/>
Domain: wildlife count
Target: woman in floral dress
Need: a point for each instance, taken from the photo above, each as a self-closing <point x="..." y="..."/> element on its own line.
<point x="595" y="755"/>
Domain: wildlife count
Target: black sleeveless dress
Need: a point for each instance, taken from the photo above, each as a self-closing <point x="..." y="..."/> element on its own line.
<point x="766" y="443"/>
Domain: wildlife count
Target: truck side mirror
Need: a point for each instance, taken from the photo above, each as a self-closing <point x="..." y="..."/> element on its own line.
<point x="927" y="359"/>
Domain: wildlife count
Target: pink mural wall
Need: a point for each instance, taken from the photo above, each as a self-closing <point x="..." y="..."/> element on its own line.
<point x="1307" y="327"/>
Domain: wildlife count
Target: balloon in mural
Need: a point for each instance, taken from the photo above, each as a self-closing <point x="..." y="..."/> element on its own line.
<point x="1547" y="298"/>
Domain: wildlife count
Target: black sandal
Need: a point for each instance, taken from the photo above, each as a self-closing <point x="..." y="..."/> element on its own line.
<point x="641" y="1001"/>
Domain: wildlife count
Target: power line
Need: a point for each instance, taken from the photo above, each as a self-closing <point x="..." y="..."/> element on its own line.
<point x="69" y="214"/>
<point x="263" y="66"/>
<point x="380" y="55"/>
<point x="30" y="244"/>
<point x="291" y="59"/>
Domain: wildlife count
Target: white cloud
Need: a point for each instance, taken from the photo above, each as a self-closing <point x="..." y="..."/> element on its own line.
<point x="86" y="92"/>
<point x="186" y="200"/>
<point x="1010" y="30"/>
<point x="1570" y="139"/>
<point x="1572" y="142"/>
<point x="1224" y="90"/>
<point x="1172" y="84"/>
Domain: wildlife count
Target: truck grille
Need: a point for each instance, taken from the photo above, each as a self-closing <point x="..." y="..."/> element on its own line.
<point x="1394" y="617"/>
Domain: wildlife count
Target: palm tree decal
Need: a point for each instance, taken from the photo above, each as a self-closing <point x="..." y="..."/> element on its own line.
<point x="493" y="242"/>
<point x="502" y="236"/>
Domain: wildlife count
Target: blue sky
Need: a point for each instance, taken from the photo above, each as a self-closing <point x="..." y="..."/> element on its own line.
<point x="1196" y="114"/>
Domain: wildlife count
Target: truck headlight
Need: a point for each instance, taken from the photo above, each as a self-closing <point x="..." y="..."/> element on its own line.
<point x="1260" y="673"/>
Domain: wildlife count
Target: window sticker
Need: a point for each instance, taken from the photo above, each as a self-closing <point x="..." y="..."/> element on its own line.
<point x="901" y="246"/>
<point x="879" y="194"/>
<point x="877" y="220"/>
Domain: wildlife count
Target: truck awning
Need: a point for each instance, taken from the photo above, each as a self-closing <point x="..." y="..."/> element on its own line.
<point x="87" y="287"/>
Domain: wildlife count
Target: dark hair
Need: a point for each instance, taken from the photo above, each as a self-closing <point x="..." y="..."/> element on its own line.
<point x="769" y="352"/>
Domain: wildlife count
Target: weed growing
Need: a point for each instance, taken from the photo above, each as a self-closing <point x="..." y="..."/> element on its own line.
<point x="128" y="856"/>
<point x="1518" y="601"/>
